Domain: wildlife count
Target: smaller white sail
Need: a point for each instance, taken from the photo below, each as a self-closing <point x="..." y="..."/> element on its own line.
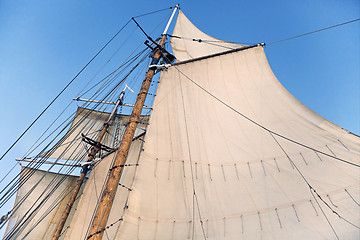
<point x="40" y="181"/>
<point x="189" y="42"/>
<point x="89" y="123"/>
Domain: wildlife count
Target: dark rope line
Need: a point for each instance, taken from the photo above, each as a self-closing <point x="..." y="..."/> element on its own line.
<point x="103" y="188"/>
<point x="313" y="189"/>
<point x="59" y="143"/>
<point x="103" y="230"/>
<point x="33" y="148"/>
<point x="319" y="30"/>
<point x="141" y="28"/>
<point x="94" y="108"/>
<point x="121" y="218"/>
<point x="70" y="170"/>
<point x="219" y="45"/>
<point x="48" y="106"/>
<point x="54" y="204"/>
<point x="202" y="40"/>
<point x="199" y="40"/>
<point x="98" y="199"/>
<point x="113" y="160"/>
<point x="20" y="227"/>
<point x="50" y="189"/>
<point x="286" y="39"/>
<point x="107" y="79"/>
<point x="8" y="172"/>
<point x="103" y="185"/>
<point x="291" y="161"/>
<point x="259" y="125"/>
<point x="271" y="132"/>
<point x="121" y="45"/>
<point x="33" y="169"/>
<point x="191" y="169"/>
<point x="332" y="228"/>
<point x="24" y="221"/>
<point x="126" y="63"/>
<point x="352" y="197"/>
<point x="18" y="182"/>
<point x="333" y="211"/>
<point x="29" y="192"/>
<point x="164" y="9"/>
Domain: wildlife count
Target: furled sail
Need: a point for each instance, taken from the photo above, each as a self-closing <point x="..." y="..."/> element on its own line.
<point x="209" y="172"/>
<point x="189" y="42"/>
<point x="89" y="123"/>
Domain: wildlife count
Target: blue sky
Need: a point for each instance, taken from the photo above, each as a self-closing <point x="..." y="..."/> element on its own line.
<point x="45" y="43"/>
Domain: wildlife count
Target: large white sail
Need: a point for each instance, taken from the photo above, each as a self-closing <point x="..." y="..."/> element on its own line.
<point x="208" y="172"/>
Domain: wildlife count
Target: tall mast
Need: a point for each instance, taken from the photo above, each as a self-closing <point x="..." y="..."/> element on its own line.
<point x="105" y="204"/>
<point x="94" y="150"/>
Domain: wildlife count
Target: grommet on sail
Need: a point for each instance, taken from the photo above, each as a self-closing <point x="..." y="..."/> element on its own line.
<point x="227" y="153"/>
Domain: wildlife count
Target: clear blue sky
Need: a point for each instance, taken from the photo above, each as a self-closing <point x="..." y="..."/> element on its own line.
<point x="43" y="44"/>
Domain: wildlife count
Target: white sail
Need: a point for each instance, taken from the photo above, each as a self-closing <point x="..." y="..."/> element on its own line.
<point x="189" y="42"/>
<point x="89" y="123"/>
<point x="208" y="172"/>
<point x="41" y="182"/>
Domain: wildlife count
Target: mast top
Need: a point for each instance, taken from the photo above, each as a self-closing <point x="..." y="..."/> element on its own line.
<point x="172" y="16"/>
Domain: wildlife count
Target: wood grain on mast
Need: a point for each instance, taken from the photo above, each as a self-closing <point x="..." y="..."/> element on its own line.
<point x="94" y="150"/>
<point x="105" y="204"/>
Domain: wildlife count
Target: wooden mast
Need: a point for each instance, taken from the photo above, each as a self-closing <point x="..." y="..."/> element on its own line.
<point x="105" y="204"/>
<point x="94" y="150"/>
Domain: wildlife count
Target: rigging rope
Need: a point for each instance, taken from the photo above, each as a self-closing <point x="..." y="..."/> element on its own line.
<point x="195" y="198"/>
<point x="319" y="30"/>
<point x="279" y="135"/>
<point x="48" y="106"/>
<point x="164" y="9"/>
<point x="112" y="91"/>
<point x="129" y="62"/>
<point x="278" y="41"/>
<point x="210" y="42"/>
<point x="313" y="190"/>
